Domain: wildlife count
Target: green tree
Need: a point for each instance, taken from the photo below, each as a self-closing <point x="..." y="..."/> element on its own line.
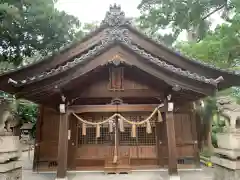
<point x="179" y="15"/>
<point x="27" y="26"/>
<point x="219" y="48"/>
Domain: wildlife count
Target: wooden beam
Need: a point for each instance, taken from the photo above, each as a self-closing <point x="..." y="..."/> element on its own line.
<point x="114" y="108"/>
<point x="105" y="93"/>
<point x="171" y="139"/>
<point x="63" y="146"/>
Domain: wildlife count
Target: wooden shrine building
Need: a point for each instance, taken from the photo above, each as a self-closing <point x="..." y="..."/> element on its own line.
<point x="116" y="101"/>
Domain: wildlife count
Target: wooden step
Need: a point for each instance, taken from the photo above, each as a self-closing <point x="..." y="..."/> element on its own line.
<point x="117" y="169"/>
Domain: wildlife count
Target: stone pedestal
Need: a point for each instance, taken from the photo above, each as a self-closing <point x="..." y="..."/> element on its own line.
<point x="10" y="151"/>
<point x="11" y="171"/>
<point x="222" y="173"/>
<point x="226" y="157"/>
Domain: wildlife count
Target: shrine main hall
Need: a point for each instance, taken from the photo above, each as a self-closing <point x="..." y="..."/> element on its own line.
<point x="116" y="101"/>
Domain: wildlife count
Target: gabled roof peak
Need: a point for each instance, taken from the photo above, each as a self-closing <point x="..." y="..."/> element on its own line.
<point x="115" y="17"/>
<point x="115" y="8"/>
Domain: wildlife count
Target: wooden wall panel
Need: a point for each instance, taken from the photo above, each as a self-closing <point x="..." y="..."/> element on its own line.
<point x="185" y="138"/>
<point x="130" y="89"/>
<point x="93" y="152"/>
<point x="50" y="125"/>
<point x="48" y="144"/>
<point x="102" y="151"/>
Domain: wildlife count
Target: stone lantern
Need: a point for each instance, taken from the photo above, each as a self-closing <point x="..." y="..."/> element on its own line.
<point x="226" y="156"/>
<point x="26" y="132"/>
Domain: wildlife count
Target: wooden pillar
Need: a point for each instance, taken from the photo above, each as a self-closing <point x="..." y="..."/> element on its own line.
<point x="63" y="147"/>
<point x="38" y="138"/>
<point x="159" y="131"/>
<point x="171" y="141"/>
<point x="197" y="145"/>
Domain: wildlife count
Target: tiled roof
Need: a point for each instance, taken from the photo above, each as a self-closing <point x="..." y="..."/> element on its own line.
<point x="118" y="35"/>
<point x="114" y="20"/>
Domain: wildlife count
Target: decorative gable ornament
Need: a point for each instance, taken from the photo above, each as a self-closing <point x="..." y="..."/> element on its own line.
<point x="170" y="106"/>
<point x="62" y="108"/>
<point x="115" y="17"/>
<point x="115" y="34"/>
<point x="116" y="60"/>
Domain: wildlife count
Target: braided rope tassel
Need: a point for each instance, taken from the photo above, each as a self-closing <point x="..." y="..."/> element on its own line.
<point x="160" y="116"/>
<point x="110" y="124"/>
<point x="84" y="129"/>
<point x="121" y="125"/>
<point x="133" y="132"/>
<point x="98" y="131"/>
<point x="148" y="128"/>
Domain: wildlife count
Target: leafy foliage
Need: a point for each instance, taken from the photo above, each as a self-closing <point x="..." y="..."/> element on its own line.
<point x="28" y="112"/>
<point x="28" y="26"/>
<point x="23" y="110"/>
<point x="178" y="15"/>
<point x="219" y="48"/>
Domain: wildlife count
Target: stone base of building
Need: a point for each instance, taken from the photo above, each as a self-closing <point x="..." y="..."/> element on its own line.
<point x="174" y="177"/>
<point x="62" y="178"/>
<point x="11" y="171"/>
<point x="223" y="173"/>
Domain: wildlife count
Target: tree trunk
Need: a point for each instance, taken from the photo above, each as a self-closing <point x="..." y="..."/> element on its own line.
<point x="209" y="137"/>
<point x="191" y="35"/>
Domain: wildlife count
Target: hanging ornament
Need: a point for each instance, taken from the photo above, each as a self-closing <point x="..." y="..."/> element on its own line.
<point x="98" y="131"/>
<point x="133" y="132"/>
<point x="115" y="157"/>
<point x="160" y="116"/>
<point x="121" y="124"/>
<point x="149" y="128"/>
<point x="84" y="132"/>
<point x="110" y="125"/>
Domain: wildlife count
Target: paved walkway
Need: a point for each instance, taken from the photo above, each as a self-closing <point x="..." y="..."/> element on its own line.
<point x="206" y="174"/>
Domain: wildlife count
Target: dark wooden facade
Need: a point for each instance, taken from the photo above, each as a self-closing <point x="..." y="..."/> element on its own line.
<point x="90" y="153"/>
<point x="116" y="63"/>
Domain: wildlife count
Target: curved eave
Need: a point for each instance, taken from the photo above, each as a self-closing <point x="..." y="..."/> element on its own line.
<point x="103" y="58"/>
<point x="132" y="48"/>
<point x="49" y="58"/>
<point x="53" y="97"/>
<point x="231" y="78"/>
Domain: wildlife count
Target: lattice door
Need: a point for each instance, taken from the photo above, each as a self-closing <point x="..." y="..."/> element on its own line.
<point x="106" y="137"/>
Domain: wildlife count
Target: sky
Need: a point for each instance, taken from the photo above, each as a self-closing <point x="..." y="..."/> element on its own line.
<point x="94" y="10"/>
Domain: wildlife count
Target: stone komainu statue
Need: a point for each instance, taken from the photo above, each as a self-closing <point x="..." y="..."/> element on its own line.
<point x="6" y="116"/>
<point x="230" y="110"/>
